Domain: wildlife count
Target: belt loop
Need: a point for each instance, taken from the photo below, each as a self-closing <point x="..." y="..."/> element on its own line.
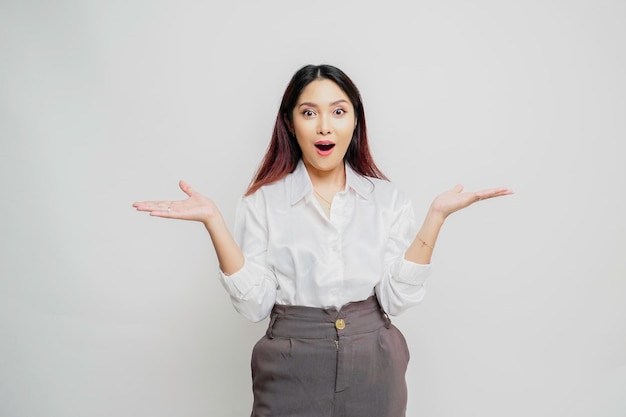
<point x="383" y="312"/>
<point x="270" y="327"/>
<point x="387" y="319"/>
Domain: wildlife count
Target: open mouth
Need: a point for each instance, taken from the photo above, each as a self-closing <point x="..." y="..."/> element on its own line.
<point x="324" y="147"/>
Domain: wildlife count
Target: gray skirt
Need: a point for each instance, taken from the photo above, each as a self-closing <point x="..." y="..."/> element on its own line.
<point x="326" y="363"/>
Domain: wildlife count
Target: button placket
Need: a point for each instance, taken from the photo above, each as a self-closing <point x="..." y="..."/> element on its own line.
<point x="344" y="357"/>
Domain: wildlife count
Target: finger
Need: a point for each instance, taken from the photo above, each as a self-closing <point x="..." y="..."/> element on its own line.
<point x="152" y="205"/>
<point x="146" y="205"/>
<point x="495" y="192"/>
<point x="500" y="191"/>
<point x="187" y="189"/>
<point x="163" y="213"/>
<point x="137" y="204"/>
<point x="457" y="188"/>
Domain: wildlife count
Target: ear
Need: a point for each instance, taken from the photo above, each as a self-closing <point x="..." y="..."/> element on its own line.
<point x="288" y="123"/>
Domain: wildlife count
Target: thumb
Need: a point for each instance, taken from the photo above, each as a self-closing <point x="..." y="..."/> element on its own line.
<point x="186" y="188"/>
<point x="457" y="188"/>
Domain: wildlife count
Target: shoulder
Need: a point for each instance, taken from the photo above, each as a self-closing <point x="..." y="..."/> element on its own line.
<point x="381" y="191"/>
<point x="386" y="191"/>
<point x="274" y="192"/>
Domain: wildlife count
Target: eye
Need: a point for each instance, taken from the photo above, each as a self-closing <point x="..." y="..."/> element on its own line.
<point x="308" y="113"/>
<point x="339" y="112"/>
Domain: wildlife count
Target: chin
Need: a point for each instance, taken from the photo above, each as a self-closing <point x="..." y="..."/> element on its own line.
<point x="324" y="165"/>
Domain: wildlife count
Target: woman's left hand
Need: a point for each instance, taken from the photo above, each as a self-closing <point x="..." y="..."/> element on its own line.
<point x="455" y="199"/>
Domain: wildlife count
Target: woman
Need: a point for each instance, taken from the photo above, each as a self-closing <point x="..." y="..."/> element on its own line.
<point x="327" y="246"/>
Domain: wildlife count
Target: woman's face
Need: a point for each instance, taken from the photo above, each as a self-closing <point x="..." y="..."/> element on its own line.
<point x="323" y="123"/>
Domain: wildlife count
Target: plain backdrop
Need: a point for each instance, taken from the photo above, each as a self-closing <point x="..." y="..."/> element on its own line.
<point x="108" y="312"/>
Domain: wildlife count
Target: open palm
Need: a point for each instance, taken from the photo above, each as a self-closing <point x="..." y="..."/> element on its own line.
<point x="455" y="199"/>
<point x="197" y="207"/>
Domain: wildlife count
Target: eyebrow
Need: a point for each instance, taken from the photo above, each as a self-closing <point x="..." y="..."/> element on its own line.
<point x="334" y="103"/>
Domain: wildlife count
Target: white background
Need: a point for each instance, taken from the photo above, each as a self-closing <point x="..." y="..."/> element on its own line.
<point x="108" y="312"/>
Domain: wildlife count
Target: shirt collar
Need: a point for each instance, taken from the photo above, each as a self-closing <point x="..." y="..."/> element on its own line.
<point x="302" y="187"/>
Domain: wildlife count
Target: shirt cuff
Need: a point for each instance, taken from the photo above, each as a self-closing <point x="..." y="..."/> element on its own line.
<point x="411" y="273"/>
<point x="241" y="284"/>
<point x="237" y="283"/>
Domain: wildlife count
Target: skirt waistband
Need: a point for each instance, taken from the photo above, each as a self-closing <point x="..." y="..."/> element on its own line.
<point x="327" y="323"/>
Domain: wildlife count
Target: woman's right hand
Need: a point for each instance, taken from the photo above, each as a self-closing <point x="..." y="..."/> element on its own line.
<point x="197" y="207"/>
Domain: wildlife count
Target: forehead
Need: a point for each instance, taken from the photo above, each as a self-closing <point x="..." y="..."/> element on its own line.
<point x="322" y="91"/>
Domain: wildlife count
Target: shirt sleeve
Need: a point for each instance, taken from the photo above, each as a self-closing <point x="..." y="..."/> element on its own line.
<point x="252" y="289"/>
<point x="403" y="282"/>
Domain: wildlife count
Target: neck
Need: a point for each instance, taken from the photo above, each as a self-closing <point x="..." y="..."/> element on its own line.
<point x="334" y="178"/>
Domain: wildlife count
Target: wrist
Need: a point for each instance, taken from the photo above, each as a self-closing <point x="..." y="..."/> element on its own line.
<point x="213" y="222"/>
<point x="435" y="217"/>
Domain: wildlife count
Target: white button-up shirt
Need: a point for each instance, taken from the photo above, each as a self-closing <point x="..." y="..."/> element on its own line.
<point x="295" y="255"/>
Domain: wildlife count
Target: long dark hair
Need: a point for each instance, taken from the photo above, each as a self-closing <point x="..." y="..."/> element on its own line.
<point x="283" y="152"/>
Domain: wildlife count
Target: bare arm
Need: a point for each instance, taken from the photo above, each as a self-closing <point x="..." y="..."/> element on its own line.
<point x="201" y="209"/>
<point x="442" y="206"/>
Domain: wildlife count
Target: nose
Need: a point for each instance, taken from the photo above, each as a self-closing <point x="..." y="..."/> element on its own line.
<point x="323" y="127"/>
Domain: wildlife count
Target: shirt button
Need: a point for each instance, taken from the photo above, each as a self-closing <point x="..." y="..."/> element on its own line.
<point x="340" y="324"/>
